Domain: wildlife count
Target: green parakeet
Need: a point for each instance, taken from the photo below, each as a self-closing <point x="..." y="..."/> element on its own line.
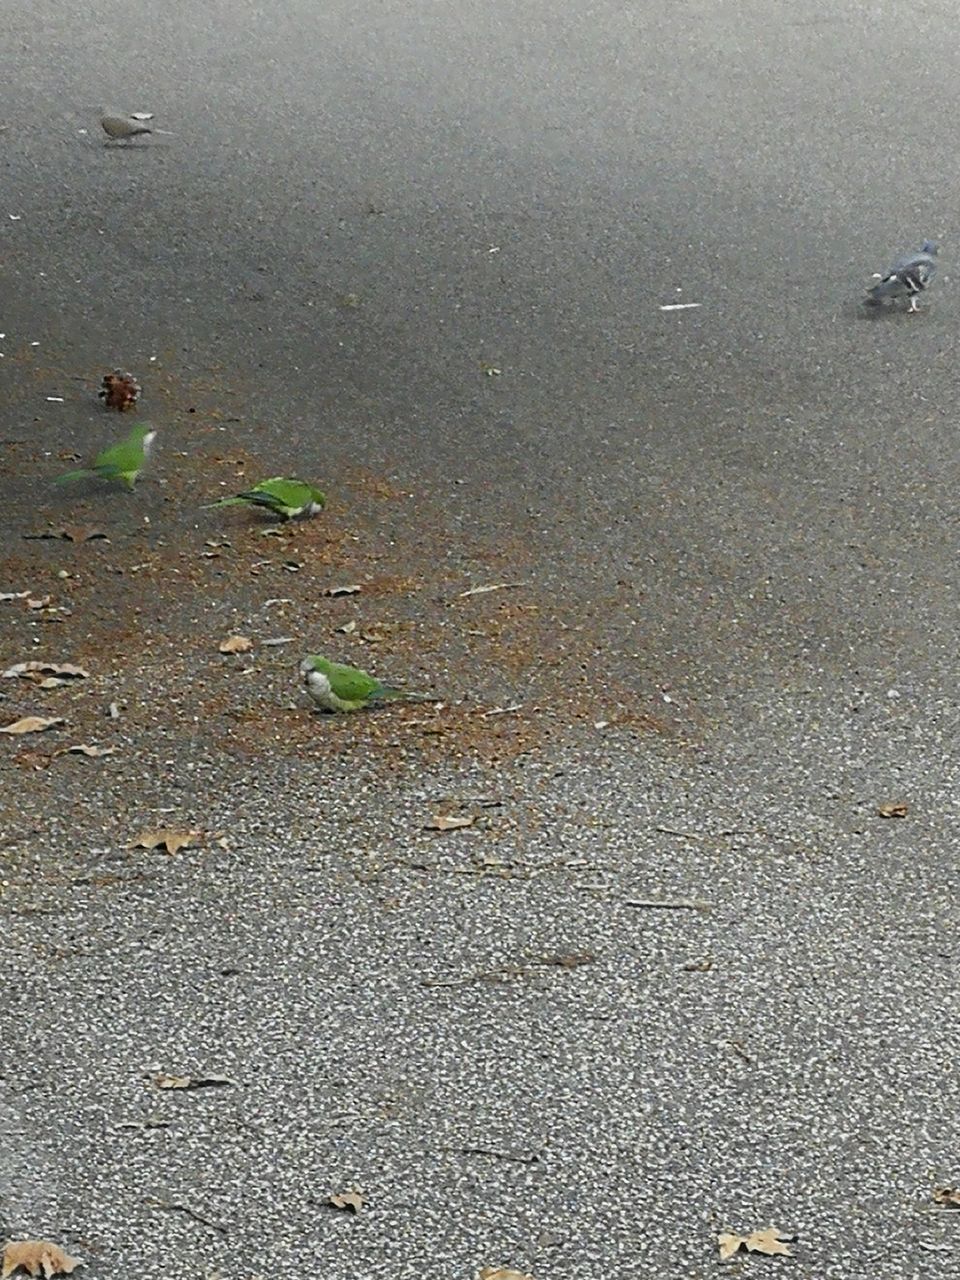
<point x="123" y="461"/>
<point x="337" y="687"/>
<point x="283" y="495"/>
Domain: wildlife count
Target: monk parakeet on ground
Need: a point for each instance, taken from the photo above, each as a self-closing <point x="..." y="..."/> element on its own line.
<point x="284" y="496"/>
<point x="337" y="687"/>
<point x="123" y="461"/>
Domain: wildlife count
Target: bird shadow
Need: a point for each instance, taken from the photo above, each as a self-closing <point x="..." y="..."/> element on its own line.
<point x="877" y="312"/>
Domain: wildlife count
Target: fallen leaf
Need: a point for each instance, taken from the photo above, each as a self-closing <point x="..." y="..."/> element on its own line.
<point x="173" y="841"/>
<point x="502" y="1273"/>
<point x="236" y="644"/>
<point x="348" y="628"/>
<point x="770" y="1242"/>
<point x="351" y="1200"/>
<point x="350" y="590"/>
<point x="71" y="533"/>
<point x="165" y="1081"/>
<point x="948" y="1196"/>
<point x="893" y="809"/>
<point x="491" y="370"/>
<point x="46" y="674"/>
<point x="14" y="595"/>
<point x="32" y="724"/>
<point x="449" y="822"/>
<point x="36" y="1257"/>
<point x="82" y="749"/>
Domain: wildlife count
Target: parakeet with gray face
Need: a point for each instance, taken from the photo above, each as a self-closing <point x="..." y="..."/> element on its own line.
<point x="284" y="496"/>
<point x="123" y="461"/>
<point x="907" y="278"/>
<point x="336" y="687"/>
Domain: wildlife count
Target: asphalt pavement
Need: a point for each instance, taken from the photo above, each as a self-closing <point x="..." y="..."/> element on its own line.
<point x="675" y="974"/>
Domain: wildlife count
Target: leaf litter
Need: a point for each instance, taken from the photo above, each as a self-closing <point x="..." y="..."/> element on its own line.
<point x="48" y="675"/>
<point x="32" y="724"/>
<point x="770" y="1242"/>
<point x="166" y="1081"/>
<point x="84" y="749"/>
<point x="352" y="1201"/>
<point x="37" y="1257"/>
<point x="502" y="1273"/>
<point x="450" y="822"/>
<point x="236" y="644"/>
<point x="947" y="1196"/>
<point x="167" y="837"/>
<point x="893" y="809"/>
<point x="71" y="533"/>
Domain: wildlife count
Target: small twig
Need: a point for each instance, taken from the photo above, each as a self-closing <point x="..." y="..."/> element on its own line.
<point x="703" y="835"/>
<point x="174" y="1206"/>
<point x="501" y="711"/>
<point x="141" y="1126"/>
<point x="740" y="1051"/>
<point x="492" y="586"/>
<point x="493" y="1151"/>
<point x="668" y="904"/>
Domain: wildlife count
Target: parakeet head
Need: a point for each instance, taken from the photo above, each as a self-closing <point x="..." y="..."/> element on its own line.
<point x="314" y="663"/>
<point x="144" y="434"/>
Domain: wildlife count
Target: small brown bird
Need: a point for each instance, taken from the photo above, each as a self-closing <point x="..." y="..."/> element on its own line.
<point x="117" y="128"/>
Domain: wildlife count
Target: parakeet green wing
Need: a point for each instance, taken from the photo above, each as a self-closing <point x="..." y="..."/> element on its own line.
<point x="353" y="685"/>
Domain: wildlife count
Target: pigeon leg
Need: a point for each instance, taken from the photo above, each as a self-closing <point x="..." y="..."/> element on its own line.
<point x="914" y="305"/>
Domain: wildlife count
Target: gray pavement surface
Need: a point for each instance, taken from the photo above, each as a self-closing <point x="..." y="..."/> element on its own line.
<point x="735" y="527"/>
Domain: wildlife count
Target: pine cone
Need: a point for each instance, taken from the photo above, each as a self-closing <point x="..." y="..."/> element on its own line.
<point x="119" y="391"/>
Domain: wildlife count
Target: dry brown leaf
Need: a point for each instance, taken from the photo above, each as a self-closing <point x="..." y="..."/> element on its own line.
<point x="450" y="822"/>
<point x="350" y="590"/>
<point x="893" y="809"/>
<point x="166" y="1081"/>
<point x="32" y="724"/>
<point x="37" y="1257"/>
<point x="236" y="644"/>
<point x="83" y="749"/>
<point x="947" y="1195"/>
<point x="43" y="672"/>
<point x="502" y="1273"/>
<point x="173" y="841"/>
<point x="770" y="1242"/>
<point x="71" y="533"/>
<point x="82" y="533"/>
<point x="351" y="1200"/>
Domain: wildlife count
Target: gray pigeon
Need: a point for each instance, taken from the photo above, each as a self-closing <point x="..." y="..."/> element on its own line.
<point x="907" y="278"/>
